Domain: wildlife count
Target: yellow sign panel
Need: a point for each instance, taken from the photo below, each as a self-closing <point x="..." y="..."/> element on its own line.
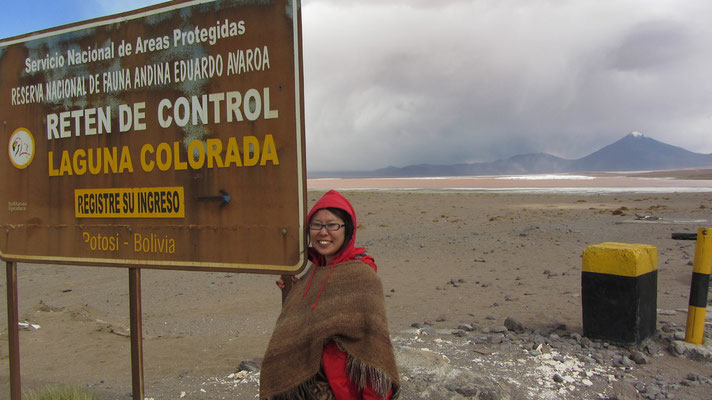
<point x="159" y="202"/>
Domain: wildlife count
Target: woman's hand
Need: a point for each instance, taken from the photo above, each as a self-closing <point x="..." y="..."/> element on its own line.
<point x="280" y="281"/>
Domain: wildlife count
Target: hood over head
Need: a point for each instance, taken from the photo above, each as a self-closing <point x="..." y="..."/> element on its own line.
<point x="334" y="199"/>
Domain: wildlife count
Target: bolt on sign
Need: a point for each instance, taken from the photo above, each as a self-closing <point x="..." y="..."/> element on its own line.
<point x="166" y="137"/>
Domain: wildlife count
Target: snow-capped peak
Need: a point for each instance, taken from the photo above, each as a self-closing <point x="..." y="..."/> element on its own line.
<point x="636" y="134"/>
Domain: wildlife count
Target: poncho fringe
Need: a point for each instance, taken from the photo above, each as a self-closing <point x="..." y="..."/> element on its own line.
<point x="363" y="374"/>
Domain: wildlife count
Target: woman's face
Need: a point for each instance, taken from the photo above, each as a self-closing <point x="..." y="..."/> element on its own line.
<point x="326" y="242"/>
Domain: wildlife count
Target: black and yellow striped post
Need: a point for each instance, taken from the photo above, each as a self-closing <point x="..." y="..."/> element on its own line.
<point x="695" y="331"/>
<point x="619" y="284"/>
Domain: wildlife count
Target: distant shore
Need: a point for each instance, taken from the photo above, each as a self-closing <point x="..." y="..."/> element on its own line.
<point x="693" y="180"/>
<point x="689" y="174"/>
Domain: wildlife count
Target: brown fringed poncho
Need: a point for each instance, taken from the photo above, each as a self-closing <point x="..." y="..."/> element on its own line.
<point x="350" y="311"/>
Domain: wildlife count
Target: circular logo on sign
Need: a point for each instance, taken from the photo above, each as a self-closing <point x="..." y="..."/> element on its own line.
<point x="21" y="148"/>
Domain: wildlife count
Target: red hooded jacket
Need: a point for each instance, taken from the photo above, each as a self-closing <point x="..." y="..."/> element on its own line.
<point x="333" y="359"/>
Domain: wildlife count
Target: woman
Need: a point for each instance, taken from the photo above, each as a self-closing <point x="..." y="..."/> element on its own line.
<point x="331" y="340"/>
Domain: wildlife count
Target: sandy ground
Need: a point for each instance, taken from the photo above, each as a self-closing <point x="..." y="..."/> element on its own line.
<point x="515" y="255"/>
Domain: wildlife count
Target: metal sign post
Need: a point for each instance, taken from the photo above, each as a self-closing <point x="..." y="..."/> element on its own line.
<point x="136" y="333"/>
<point x="13" y="333"/>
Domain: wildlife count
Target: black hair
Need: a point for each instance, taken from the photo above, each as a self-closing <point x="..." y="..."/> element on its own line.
<point x="347" y="221"/>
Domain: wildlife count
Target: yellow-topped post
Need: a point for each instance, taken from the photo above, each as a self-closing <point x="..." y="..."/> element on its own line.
<point x="695" y="332"/>
<point x="619" y="291"/>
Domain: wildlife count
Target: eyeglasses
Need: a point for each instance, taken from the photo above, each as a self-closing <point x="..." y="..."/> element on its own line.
<point x="331" y="227"/>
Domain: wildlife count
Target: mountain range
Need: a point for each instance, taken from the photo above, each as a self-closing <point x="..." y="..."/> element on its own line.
<point x="634" y="152"/>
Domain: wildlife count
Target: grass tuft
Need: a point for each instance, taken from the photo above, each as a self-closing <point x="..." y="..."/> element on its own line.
<point x="60" y="393"/>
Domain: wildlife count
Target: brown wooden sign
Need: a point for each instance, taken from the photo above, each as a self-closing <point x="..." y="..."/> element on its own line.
<point x="167" y="137"/>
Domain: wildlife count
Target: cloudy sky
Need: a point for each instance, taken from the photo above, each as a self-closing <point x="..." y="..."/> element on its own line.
<point x="399" y="82"/>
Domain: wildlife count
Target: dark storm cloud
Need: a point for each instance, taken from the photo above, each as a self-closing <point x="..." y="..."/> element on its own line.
<point x="653" y="45"/>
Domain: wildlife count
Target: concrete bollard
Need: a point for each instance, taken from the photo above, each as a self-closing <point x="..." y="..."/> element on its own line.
<point x="619" y="284"/>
